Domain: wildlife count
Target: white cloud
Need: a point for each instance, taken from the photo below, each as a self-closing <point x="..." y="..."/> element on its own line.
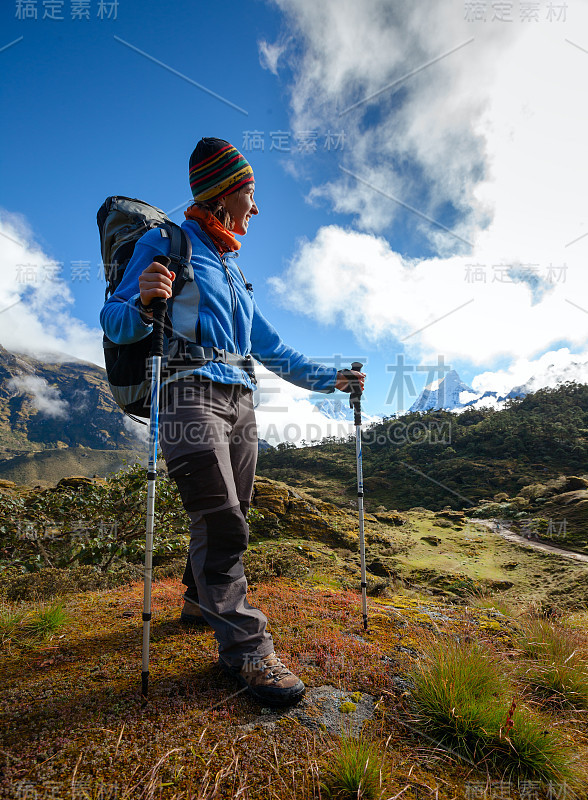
<point x="429" y="72"/>
<point x="270" y="54"/>
<point x="465" y="397"/>
<point x="485" y="402"/>
<point x="137" y="429"/>
<point x="549" y="370"/>
<point x="497" y="129"/>
<point x="35" y="303"/>
<point x="431" y="304"/>
<point x="46" y="399"/>
<point x="285" y="413"/>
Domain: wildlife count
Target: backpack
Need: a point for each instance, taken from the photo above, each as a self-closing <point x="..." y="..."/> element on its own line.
<point x="121" y="223"/>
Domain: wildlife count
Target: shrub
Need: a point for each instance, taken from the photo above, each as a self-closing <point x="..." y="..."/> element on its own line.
<point x="534" y="491"/>
<point x="53" y="582"/>
<point x="490" y="510"/>
<point x="89" y="523"/>
<point x="263" y="562"/>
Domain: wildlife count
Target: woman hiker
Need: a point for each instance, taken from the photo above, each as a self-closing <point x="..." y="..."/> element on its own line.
<point x="207" y="425"/>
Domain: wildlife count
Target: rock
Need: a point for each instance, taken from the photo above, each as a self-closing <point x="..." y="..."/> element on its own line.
<point x="390" y="517"/>
<point x="74" y="482"/>
<point x="573" y="483"/>
<point x="383" y="567"/>
<point x="323" y="708"/>
<point x="456" y="516"/>
<point x="499" y="586"/>
<point x="271" y="495"/>
<point x="568" y="498"/>
<point x="433" y="540"/>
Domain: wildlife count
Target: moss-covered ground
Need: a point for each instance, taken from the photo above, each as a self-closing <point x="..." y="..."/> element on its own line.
<point x="74" y="725"/>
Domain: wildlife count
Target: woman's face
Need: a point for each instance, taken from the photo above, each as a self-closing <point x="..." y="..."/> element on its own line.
<point x="241" y="206"/>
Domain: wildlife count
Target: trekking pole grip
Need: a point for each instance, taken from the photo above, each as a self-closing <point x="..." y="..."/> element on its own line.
<point x="159" y="306"/>
<point x="355" y="395"/>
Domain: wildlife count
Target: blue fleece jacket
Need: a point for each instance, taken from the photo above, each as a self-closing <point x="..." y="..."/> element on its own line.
<point x="215" y="310"/>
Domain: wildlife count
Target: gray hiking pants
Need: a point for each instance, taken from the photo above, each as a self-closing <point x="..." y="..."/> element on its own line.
<point x="208" y="437"/>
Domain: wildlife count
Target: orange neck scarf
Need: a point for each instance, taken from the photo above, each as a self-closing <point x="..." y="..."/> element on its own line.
<point x="223" y="239"/>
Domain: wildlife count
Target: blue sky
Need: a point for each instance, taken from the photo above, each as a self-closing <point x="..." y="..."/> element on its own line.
<point x="372" y="219"/>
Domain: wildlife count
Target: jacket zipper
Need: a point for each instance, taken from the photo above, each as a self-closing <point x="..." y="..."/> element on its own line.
<point x="232" y="290"/>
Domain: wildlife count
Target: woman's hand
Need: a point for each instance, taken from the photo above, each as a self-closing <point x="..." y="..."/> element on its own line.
<point x="155" y="281"/>
<point x="345" y="376"/>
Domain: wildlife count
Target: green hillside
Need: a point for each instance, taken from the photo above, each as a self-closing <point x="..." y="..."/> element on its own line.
<point x="443" y="459"/>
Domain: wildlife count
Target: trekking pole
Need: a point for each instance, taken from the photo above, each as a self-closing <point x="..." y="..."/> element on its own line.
<point x="355" y="404"/>
<point x="159" y="306"/>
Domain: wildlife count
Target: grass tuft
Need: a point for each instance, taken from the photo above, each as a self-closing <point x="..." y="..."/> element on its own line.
<point x="487" y="599"/>
<point x="28" y="626"/>
<point x="556" y="666"/>
<point x="463" y="703"/>
<point x="46" y="620"/>
<point x="355" y="770"/>
<point x="11" y="625"/>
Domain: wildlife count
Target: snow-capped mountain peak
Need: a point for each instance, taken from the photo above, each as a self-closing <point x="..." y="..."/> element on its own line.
<point x="446" y="392"/>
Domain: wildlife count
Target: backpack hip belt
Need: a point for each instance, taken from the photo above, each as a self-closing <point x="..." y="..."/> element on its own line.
<point x="183" y="355"/>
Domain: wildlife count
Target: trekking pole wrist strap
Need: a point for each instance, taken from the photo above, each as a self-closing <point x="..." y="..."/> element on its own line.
<point x="145" y="312"/>
<point x="145" y="309"/>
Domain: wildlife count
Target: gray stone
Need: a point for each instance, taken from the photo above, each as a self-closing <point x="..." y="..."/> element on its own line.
<point x="320" y="710"/>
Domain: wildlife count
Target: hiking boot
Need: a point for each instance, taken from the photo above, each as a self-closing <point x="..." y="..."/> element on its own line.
<point x="191" y="614"/>
<point x="268" y="680"/>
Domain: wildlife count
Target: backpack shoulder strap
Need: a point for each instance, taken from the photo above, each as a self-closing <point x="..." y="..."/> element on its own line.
<point x="180" y="253"/>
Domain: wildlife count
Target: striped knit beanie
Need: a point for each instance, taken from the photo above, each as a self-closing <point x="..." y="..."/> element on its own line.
<point x="216" y="169"/>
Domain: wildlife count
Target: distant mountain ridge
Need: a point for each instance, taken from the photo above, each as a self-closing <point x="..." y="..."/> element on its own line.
<point x="448" y="393"/>
<point x="456" y="458"/>
<point x="340" y="410"/>
<point x="58" y="418"/>
<point x="442" y="393"/>
<point x="55" y="405"/>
